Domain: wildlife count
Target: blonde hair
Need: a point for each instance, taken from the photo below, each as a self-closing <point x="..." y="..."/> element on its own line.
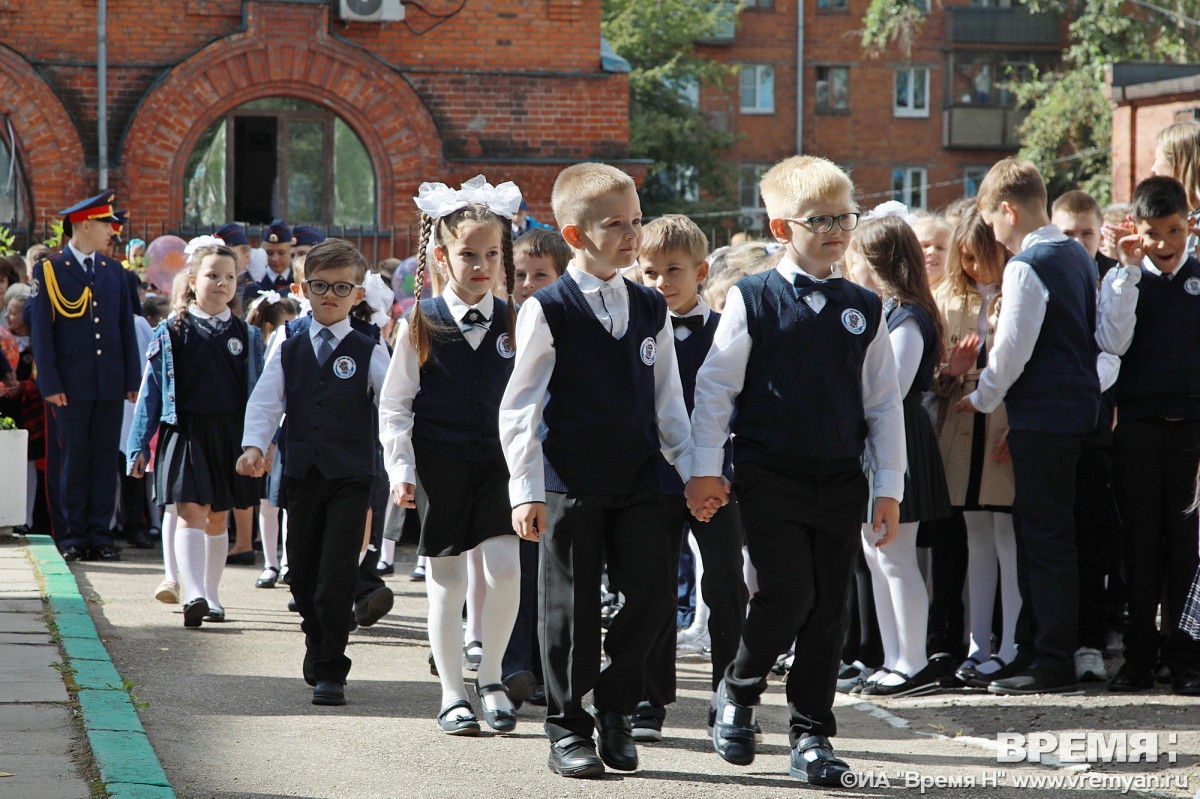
<point x="1077" y="203"/>
<point x="1012" y="180"/>
<point x="976" y="236"/>
<point x="298" y="269"/>
<point x="925" y="218"/>
<point x="1179" y="145"/>
<point x="730" y="264"/>
<point x="792" y="183"/>
<point x="675" y="233"/>
<point x="577" y="186"/>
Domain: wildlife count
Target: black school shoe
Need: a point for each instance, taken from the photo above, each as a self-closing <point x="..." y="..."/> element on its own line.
<point x="646" y="722"/>
<point x="575" y="756"/>
<point x="1035" y="680"/>
<point x="1131" y="678"/>
<point x="328" y="692"/>
<point x="614" y="741"/>
<point x="107" y="552"/>
<point x="733" y="729"/>
<point x="194" y="612"/>
<point x="374" y="606"/>
<point x="1185" y="682"/>
<point x="813" y="761"/>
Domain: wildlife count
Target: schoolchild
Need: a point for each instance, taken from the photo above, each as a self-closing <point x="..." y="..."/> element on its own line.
<point x="540" y="258"/>
<point x="323" y="381"/>
<point x="1043" y="367"/>
<point x="234" y="237"/>
<point x="88" y="365"/>
<point x="1150" y="316"/>
<point x="893" y="254"/>
<point x="438" y="422"/>
<point x="202" y="365"/>
<point x="277" y="276"/>
<point x="673" y="261"/>
<point x="304" y="238"/>
<point x="603" y="347"/>
<point x="802" y="372"/>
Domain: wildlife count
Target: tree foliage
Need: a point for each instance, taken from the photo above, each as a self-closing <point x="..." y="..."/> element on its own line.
<point x="658" y="40"/>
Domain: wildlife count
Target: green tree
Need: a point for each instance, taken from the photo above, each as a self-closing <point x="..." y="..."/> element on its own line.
<point x="658" y="40"/>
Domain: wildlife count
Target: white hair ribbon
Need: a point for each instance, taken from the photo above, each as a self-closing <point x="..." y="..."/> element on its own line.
<point x="380" y="296"/>
<point x="503" y="200"/>
<point x="202" y="241"/>
<point x="269" y="297"/>
<point x="891" y="208"/>
<point x="437" y="200"/>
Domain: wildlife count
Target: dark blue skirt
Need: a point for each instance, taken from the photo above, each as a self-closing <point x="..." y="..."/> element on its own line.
<point x="196" y="462"/>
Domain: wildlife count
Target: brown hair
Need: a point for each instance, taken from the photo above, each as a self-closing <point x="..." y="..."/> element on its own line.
<point x="11" y="268"/>
<point x="976" y="236"/>
<point x="543" y="243"/>
<point x="271" y="313"/>
<point x="187" y="294"/>
<point x="1179" y="145"/>
<point x="335" y="254"/>
<point x="892" y="249"/>
<point x="577" y="186"/>
<point x="1012" y="180"/>
<point x="675" y="233"/>
<point x="420" y="329"/>
<point x="1077" y="203"/>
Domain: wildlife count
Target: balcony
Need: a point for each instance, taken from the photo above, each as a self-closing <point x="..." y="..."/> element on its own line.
<point x="1000" y="26"/>
<point x="977" y="127"/>
<point x="726" y="30"/>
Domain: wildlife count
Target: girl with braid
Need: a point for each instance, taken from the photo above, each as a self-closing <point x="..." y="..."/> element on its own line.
<point x="439" y="413"/>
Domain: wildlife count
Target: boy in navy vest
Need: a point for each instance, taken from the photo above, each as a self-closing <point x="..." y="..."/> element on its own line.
<point x="801" y="371"/>
<point x="604" y="349"/>
<point x="673" y="261"/>
<point x="326" y="382"/>
<point x="1043" y="367"/>
<point x="1150" y="314"/>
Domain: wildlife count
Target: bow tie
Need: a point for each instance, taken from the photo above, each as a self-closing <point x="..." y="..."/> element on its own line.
<point x="472" y="318"/>
<point x="693" y="323"/>
<point x="832" y="288"/>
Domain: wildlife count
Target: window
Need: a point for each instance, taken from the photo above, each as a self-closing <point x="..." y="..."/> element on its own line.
<point x="748" y="177"/>
<point x="757" y="89"/>
<point x="832" y="5"/>
<point x="760" y="4"/>
<point x="14" y="213"/>
<point x="280" y="158"/>
<point x="908" y="186"/>
<point x="972" y="177"/>
<point x="833" y="88"/>
<point x="912" y="92"/>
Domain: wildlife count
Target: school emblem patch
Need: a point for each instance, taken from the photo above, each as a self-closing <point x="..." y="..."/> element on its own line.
<point x="1192" y="286"/>
<point x="235" y="346"/>
<point x="854" y="321"/>
<point x="648" y="350"/>
<point x="504" y="346"/>
<point x="344" y="367"/>
<point x="34" y="287"/>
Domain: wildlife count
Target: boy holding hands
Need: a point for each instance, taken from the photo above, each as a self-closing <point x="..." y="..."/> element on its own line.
<point x="604" y="349"/>
<point x="801" y="370"/>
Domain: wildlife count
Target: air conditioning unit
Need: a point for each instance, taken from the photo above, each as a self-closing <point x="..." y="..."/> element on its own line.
<point x="371" y="10"/>
<point x="751" y="221"/>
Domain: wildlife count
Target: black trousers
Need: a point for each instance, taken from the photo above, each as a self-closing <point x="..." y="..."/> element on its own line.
<point x="1044" y="466"/>
<point x="949" y="577"/>
<point x="326" y="519"/>
<point x="803" y="532"/>
<point x="368" y="572"/>
<point x="1156" y="464"/>
<point x="89" y="434"/>
<point x="523" y="653"/>
<point x="723" y="587"/>
<point x="585" y="530"/>
<point x="1095" y="537"/>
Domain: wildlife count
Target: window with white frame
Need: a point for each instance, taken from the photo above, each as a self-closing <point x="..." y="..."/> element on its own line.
<point x="832" y="5"/>
<point x="757" y="89"/>
<point x="833" y="88"/>
<point x="972" y="177"/>
<point x="911" y="98"/>
<point x="909" y="185"/>
<point x="748" y="177"/>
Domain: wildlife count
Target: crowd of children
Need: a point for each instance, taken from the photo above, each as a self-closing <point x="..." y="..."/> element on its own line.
<point x="870" y="429"/>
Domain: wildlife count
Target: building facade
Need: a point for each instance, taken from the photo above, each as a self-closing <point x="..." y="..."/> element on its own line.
<point x="247" y="110"/>
<point x="1145" y="98"/>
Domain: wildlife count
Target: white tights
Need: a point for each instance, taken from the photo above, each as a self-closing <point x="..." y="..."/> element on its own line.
<point x="901" y="600"/>
<point x="990" y="539"/>
<point x="446" y="586"/>
<point x="268" y="526"/>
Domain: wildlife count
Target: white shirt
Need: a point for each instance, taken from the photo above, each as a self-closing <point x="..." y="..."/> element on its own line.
<point x="223" y="316"/>
<point x="1116" y="314"/>
<point x="525" y="397"/>
<point x="402" y="382"/>
<point x="908" y="345"/>
<point x="723" y="375"/>
<point x="268" y="401"/>
<point x="80" y="255"/>
<point x="701" y="309"/>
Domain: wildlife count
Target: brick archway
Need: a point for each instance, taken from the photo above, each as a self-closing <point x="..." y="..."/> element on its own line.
<point x="46" y="138"/>
<point x="301" y="60"/>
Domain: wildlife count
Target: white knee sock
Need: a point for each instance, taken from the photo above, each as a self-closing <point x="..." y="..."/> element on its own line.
<point x="1010" y="592"/>
<point x="216" y="549"/>
<point x="502" y="571"/>
<point x="446" y="587"/>
<point x="700" y="621"/>
<point x="283" y="565"/>
<point x="191" y="557"/>
<point x="388" y="553"/>
<point x="476" y="591"/>
<point x="981" y="580"/>
<point x="749" y="573"/>
<point x="170" y="563"/>
<point x="268" y="527"/>
<point x="909" y="602"/>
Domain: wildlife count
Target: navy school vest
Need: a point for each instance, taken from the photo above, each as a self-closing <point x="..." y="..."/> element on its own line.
<point x="601" y="431"/>
<point x="210" y="370"/>
<point x="896" y="315"/>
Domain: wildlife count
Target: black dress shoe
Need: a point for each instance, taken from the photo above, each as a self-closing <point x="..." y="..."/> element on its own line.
<point x="374" y="606"/>
<point x="240" y="558"/>
<point x="501" y="719"/>
<point x="538" y="697"/>
<point x="72" y="553"/>
<point x="107" y="552"/>
<point x="814" y="762"/>
<point x="310" y="673"/>
<point x="575" y="756"/>
<point x="1185" y="682"/>
<point x="268" y="578"/>
<point x="733" y="729"/>
<point x="194" y="612"/>
<point x="463" y="724"/>
<point x="292" y="606"/>
<point x="384" y="569"/>
<point x="1035" y="680"/>
<point x="140" y="540"/>
<point x="521" y="685"/>
<point x="615" y="741"/>
<point x="1131" y="678"/>
<point x="328" y="692"/>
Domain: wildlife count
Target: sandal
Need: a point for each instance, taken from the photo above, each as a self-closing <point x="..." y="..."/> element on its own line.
<point x="458" y="725"/>
<point x="978" y="679"/>
<point x="923" y="682"/>
<point x="501" y="719"/>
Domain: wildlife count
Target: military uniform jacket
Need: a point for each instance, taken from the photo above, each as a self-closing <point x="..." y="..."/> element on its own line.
<point x="84" y="347"/>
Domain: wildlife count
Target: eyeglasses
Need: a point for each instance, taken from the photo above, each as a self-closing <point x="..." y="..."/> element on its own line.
<point x="824" y="223"/>
<point x="321" y="288"/>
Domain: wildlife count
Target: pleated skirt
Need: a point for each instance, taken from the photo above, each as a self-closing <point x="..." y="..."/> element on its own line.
<point x="195" y="462"/>
<point x="926" y="498"/>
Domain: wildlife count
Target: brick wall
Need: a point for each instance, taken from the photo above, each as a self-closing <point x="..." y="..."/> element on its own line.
<point x="1135" y="129"/>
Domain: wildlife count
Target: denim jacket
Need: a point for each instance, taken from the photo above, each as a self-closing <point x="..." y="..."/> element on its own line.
<point x="156" y="398"/>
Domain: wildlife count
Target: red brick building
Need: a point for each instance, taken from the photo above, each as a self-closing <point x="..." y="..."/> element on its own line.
<point x="922" y="129"/>
<point x="250" y="109"/>
<point x="1146" y="98"/>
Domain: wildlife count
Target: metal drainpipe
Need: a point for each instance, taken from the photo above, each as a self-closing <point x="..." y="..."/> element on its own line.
<point x="799" y="76"/>
<point x="102" y="88"/>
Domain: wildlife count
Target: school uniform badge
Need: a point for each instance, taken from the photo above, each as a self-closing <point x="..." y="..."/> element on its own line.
<point x="35" y="286"/>
<point x="235" y="346"/>
<point x="504" y="346"/>
<point x="854" y="321"/>
<point x="1192" y="286"/>
<point x="344" y="367"/>
<point x="648" y="350"/>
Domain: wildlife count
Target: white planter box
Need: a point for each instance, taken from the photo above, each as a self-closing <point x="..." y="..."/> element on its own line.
<point x="13" y="453"/>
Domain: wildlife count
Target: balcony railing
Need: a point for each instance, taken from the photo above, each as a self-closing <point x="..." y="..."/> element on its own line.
<point x="977" y="127"/>
<point x="726" y="31"/>
<point x="976" y="25"/>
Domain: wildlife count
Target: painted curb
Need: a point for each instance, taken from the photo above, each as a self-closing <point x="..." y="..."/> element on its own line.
<point x="127" y="763"/>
